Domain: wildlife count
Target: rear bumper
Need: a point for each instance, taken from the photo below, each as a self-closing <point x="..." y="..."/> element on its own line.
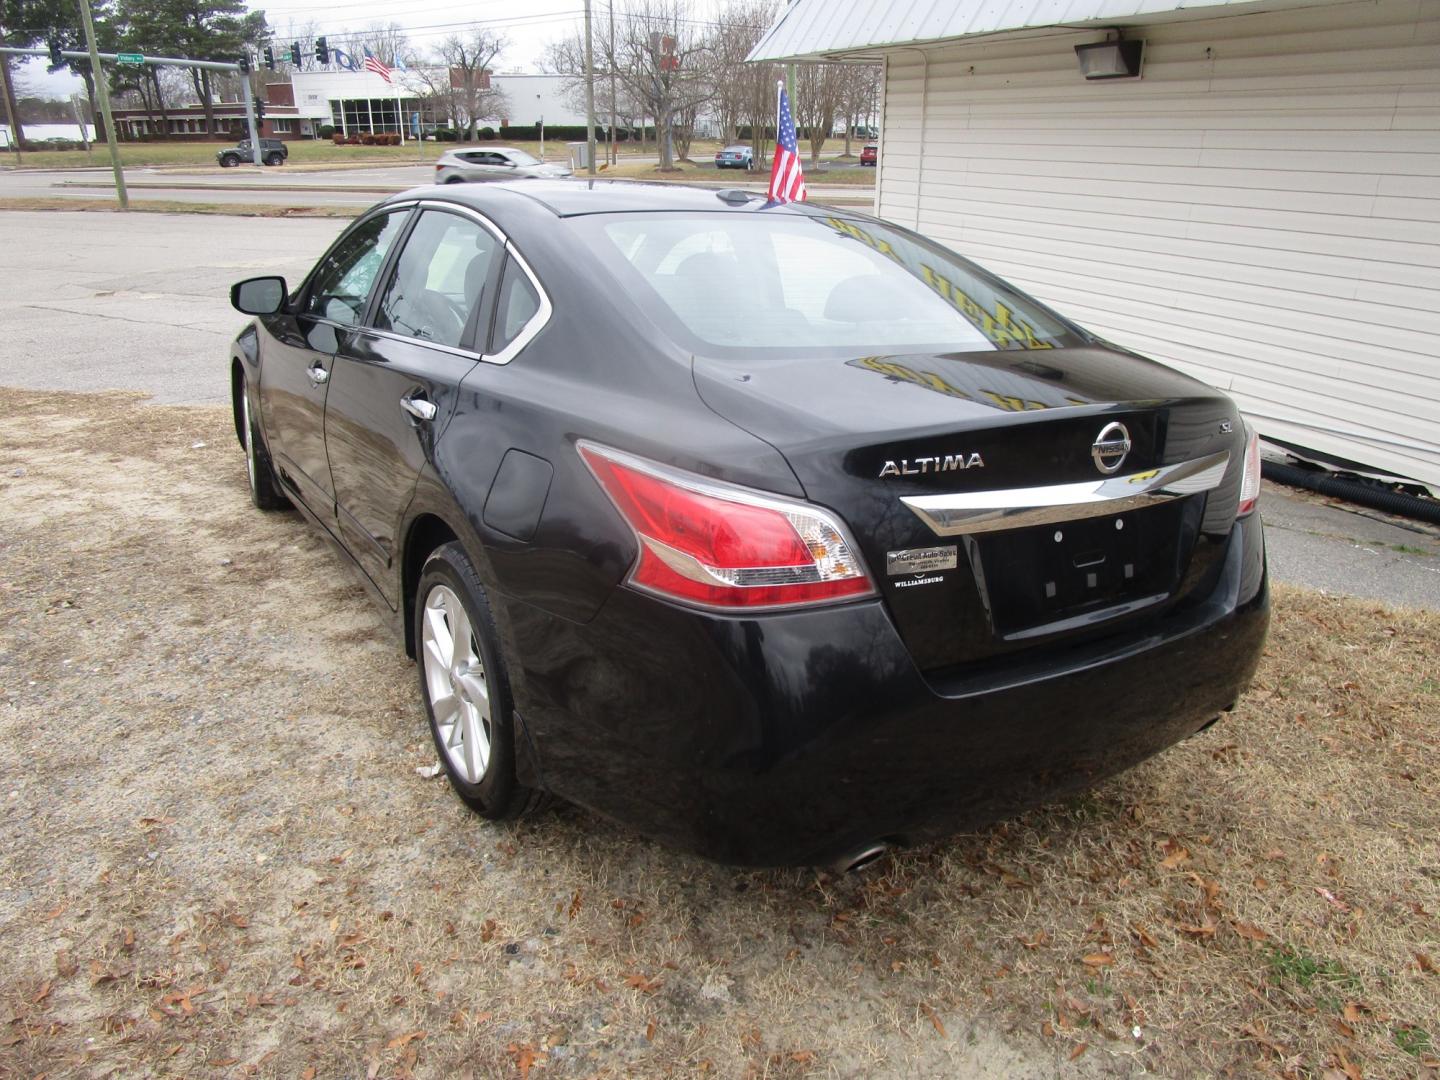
<point x="795" y="738"/>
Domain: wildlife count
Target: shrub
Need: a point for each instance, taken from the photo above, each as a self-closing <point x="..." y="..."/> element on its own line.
<point x="338" y="138"/>
<point x="486" y="133"/>
<point x="327" y="131"/>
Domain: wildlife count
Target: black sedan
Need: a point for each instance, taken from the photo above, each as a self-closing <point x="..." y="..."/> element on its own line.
<point x="779" y="533"/>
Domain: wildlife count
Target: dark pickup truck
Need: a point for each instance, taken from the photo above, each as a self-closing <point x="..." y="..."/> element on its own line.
<point x="272" y="152"/>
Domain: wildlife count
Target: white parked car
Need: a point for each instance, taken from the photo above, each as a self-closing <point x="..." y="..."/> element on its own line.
<point x="494" y="163"/>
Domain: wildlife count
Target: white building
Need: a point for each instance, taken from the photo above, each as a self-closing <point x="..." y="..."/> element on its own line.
<point x="1260" y="207"/>
<point x="360" y="101"/>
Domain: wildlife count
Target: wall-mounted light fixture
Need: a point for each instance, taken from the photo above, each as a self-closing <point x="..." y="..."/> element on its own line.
<point x="1117" y="59"/>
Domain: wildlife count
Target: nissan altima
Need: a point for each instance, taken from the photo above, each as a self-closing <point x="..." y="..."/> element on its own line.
<point x="779" y="533"/>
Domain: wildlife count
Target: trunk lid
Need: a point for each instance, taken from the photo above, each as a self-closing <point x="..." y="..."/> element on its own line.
<point x="861" y="433"/>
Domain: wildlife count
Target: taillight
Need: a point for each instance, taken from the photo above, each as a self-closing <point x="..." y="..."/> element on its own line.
<point x="1250" y="478"/>
<point x="716" y="545"/>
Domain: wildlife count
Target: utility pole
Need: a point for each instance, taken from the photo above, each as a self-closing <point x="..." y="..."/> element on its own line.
<point x="614" y="155"/>
<point x="589" y="96"/>
<point x="9" y="110"/>
<point x="102" y="91"/>
<point x="250" y="118"/>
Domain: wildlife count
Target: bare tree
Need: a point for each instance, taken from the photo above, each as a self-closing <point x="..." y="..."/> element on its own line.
<point x="860" y="91"/>
<point x="387" y="41"/>
<point x="818" y="93"/>
<point x="738" y="26"/>
<point x="469" y="57"/>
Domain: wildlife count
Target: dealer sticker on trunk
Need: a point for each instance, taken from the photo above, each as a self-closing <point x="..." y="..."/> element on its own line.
<point x="920" y="560"/>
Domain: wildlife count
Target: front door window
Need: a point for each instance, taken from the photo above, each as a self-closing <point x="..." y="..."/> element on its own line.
<point x="343" y="281"/>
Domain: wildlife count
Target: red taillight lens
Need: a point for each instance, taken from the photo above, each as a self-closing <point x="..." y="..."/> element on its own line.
<point x="1250" y="478"/>
<point x="720" y="546"/>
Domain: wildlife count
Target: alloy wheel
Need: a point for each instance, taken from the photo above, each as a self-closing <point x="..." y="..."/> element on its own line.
<point x="249" y="437"/>
<point x="455" y="684"/>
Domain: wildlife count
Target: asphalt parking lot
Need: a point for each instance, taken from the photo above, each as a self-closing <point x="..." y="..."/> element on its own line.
<point x="118" y="312"/>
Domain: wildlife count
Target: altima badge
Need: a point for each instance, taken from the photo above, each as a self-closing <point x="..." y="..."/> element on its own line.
<point x="921" y="465"/>
<point x="920" y="560"/>
<point x="1111" y="447"/>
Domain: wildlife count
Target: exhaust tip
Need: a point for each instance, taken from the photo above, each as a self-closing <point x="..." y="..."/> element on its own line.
<point x="860" y="859"/>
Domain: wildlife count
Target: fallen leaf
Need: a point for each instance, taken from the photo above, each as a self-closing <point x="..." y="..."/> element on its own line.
<point x="1355" y="1012"/>
<point x="1098" y="960"/>
<point x="42" y="993"/>
<point x="1176" y="855"/>
<point x="403" y="1040"/>
<point x="934" y="1019"/>
<point x="487" y="930"/>
<point x="238" y="921"/>
<point x="1204" y="930"/>
<point x="650" y="1031"/>
<point x="1047" y="1029"/>
<point x="1144" y="936"/>
<point x="1424" y="963"/>
<point x="802" y="1057"/>
<point x="575" y="902"/>
<point x="1035" y="942"/>
<point x="1080" y="1048"/>
<point x="1331" y="899"/>
<point x="308" y="1073"/>
<point x="65" y="965"/>
<point x="1249" y="932"/>
<point x="636" y="981"/>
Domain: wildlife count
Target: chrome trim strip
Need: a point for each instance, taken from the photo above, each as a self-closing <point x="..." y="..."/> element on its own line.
<point x="537" y="321"/>
<point x="460" y="208"/>
<point x="968" y="512"/>
<point x="468" y="354"/>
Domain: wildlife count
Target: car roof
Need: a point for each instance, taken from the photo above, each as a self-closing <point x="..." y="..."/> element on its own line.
<point x="572" y="198"/>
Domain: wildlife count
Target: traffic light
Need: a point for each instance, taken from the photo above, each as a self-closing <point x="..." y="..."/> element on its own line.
<point x="322" y="51"/>
<point x="56" y="60"/>
<point x="259" y="109"/>
<point x="269" y="58"/>
<point x="243" y="63"/>
<point x="295" y="53"/>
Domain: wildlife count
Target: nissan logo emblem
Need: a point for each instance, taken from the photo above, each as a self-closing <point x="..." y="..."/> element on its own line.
<point x="1110" y="448"/>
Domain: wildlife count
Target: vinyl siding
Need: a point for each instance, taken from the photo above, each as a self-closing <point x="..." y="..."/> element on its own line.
<point x="1261" y="209"/>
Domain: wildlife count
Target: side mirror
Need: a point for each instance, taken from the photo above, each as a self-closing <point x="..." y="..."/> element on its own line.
<point x="258" y="295"/>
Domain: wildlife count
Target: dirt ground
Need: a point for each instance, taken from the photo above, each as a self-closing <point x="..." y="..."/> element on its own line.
<point x="217" y="857"/>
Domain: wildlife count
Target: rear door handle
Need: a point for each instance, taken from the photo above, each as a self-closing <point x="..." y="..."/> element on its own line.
<point x="317" y="374"/>
<point x="418" y="407"/>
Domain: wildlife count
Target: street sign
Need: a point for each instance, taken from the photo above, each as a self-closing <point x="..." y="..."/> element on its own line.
<point x="130" y="58"/>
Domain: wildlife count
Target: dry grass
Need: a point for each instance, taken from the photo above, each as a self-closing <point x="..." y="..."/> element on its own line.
<point x="217" y="857"/>
<point x="174" y="206"/>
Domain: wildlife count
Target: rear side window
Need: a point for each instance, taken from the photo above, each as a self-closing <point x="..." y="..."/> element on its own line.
<point x="519" y="303"/>
<point x="439" y="280"/>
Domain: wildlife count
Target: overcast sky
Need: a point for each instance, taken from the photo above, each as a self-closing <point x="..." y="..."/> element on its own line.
<point x="528" y="24"/>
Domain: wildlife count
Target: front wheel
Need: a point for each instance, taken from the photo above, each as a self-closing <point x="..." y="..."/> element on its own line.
<point x="229" y="161"/>
<point x="466" y="690"/>
<point x="265" y="490"/>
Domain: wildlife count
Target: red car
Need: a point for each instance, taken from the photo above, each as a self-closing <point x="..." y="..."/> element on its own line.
<point x="870" y="155"/>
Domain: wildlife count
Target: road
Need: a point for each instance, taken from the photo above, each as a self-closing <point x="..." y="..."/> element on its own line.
<point x="356" y="187"/>
<point x="141" y="303"/>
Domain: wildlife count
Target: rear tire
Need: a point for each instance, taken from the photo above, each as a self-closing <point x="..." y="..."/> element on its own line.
<point x="265" y="491"/>
<point x="455" y="180"/>
<point x="274" y="158"/>
<point x="465" y="687"/>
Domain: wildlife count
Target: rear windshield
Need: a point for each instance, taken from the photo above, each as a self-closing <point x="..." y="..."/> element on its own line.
<point x="727" y="281"/>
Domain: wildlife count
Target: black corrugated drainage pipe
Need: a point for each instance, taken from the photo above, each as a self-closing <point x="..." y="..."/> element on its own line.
<point x="1371" y="495"/>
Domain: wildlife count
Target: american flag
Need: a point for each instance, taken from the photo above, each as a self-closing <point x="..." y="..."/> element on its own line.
<point x="787" y="181"/>
<point x="373" y="63"/>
